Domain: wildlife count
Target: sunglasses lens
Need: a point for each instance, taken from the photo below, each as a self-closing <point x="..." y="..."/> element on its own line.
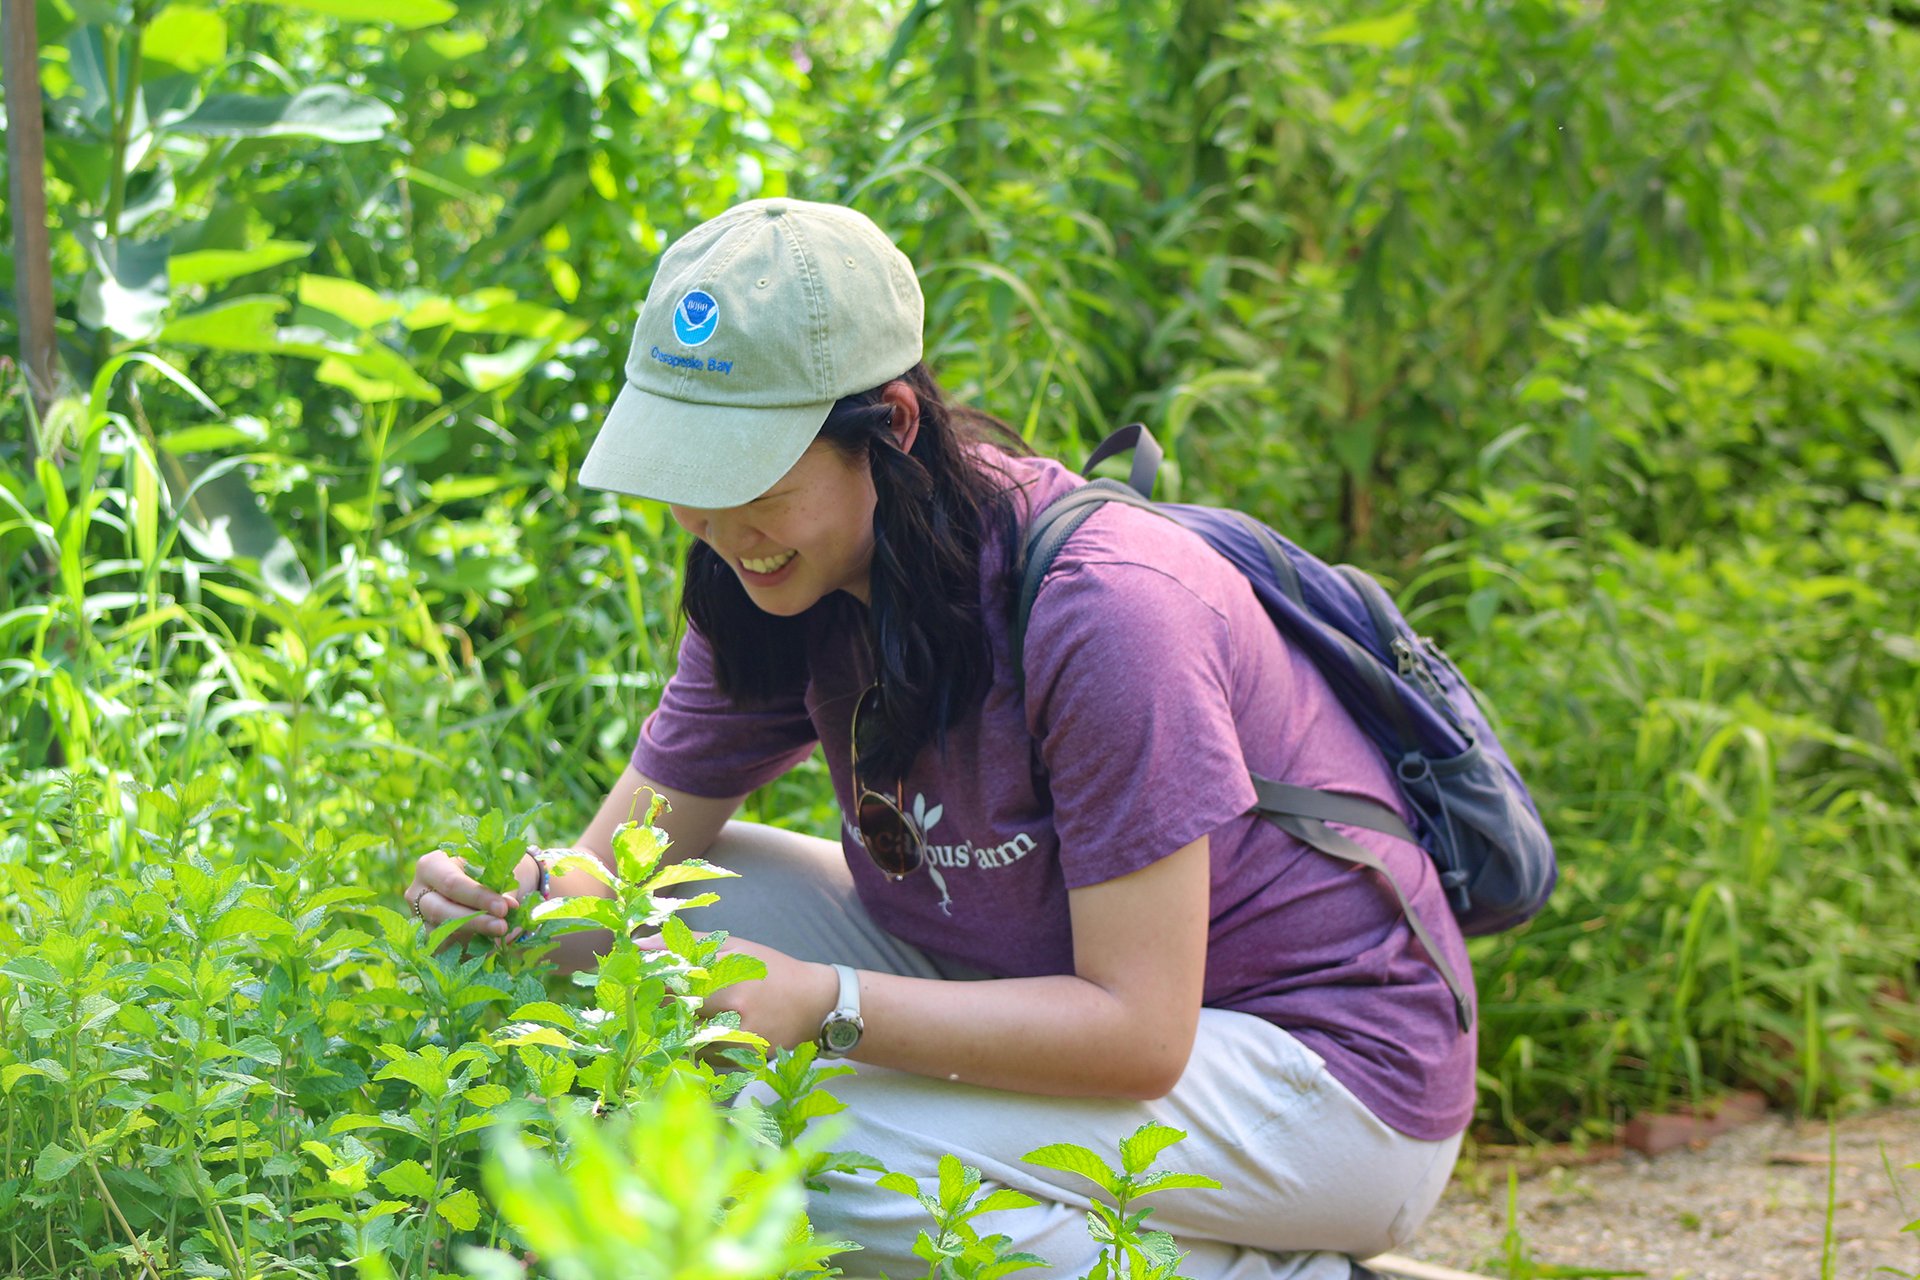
<point x="891" y="843"/>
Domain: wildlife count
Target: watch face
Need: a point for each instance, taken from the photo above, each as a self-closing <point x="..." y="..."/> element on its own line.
<point x="841" y="1034"/>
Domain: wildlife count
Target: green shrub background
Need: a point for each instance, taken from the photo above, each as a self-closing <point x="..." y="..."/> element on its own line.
<point x="1592" y="329"/>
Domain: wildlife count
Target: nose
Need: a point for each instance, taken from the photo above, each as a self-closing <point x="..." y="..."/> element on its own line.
<point x="692" y="519"/>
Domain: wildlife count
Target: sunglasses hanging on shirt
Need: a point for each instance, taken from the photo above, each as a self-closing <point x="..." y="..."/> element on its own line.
<point x="892" y="840"/>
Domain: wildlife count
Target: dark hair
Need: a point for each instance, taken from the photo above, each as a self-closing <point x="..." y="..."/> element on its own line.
<point x="935" y="509"/>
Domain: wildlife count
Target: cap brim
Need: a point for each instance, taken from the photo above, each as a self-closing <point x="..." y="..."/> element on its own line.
<point x="697" y="455"/>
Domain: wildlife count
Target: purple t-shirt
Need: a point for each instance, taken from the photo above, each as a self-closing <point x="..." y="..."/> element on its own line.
<point x="1155" y="684"/>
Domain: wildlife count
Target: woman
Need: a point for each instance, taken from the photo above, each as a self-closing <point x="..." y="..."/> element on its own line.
<point x="1050" y="916"/>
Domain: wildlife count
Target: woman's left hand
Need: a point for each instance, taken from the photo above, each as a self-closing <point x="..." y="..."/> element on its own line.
<point x="787" y="1006"/>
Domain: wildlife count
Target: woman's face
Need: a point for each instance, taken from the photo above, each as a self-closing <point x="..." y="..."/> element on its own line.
<point x="809" y="535"/>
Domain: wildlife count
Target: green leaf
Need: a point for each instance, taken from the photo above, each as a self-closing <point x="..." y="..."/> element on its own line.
<point x="957" y="1182"/>
<point x="186" y="37"/>
<point x="679" y="938"/>
<point x="1174" y="1182"/>
<point x="217" y="266"/>
<point x="491" y="372"/>
<point x="1372" y="33"/>
<point x="32" y="969"/>
<point x="1138" y="1150"/>
<point x="408" y="15"/>
<point x="54" y="1163"/>
<point x="687" y="872"/>
<point x="900" y="1182"/>
<point x="237" y="324"/>
<point x="462" y="1209"/>
<point x="214" y="436"/>
<point x="126" y="291"/>
<point x="327" y="111"/>
<point x="13" y="1073"/>
<point x="1004" y="1198"/>
<point x="1068" y="1157"/>
<point x="637" y="851"/>
<point x="408" y="1178"/>
<point x="251" y="922"/>
<point x="488" y="1094"/>
<point x="260" y="1049"/>
<point x="352" y="301"/>
<point x="532" y="1035"/>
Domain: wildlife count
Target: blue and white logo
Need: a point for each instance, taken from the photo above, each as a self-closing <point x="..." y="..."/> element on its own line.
<point x="695" y="319"/>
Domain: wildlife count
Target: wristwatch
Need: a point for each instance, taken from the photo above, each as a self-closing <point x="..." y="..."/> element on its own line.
<point x="840" y="1032"/>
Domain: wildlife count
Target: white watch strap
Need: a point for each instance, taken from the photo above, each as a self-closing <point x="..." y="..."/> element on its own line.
<point x="849" y="1001"/>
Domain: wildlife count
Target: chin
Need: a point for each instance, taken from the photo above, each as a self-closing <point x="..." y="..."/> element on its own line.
<point x="784" y="603"/>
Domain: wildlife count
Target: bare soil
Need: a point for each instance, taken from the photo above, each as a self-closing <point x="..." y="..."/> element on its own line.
<point x="1751" y="1205"/>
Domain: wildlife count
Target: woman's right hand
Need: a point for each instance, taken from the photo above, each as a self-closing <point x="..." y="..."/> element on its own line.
<point x="442" y="890"/>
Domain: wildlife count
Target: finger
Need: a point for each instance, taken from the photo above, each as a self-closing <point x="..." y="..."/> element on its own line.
<point x="435" y="909"/>
<point x="446" y="876"/>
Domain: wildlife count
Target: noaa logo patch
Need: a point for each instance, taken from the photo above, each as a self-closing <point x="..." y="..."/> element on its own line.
<point x="695" y="318"/>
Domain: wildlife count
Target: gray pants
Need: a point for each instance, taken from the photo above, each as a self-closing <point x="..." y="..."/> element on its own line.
<point x="1309" y="1176"/>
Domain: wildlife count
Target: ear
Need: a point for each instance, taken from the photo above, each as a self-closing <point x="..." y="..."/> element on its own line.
<point x="905" y="404"/>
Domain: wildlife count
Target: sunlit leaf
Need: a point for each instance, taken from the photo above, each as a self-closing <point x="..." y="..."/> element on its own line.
<point x="404" y="14"/>
<point x="216" y="266"/>
<point x="327" y="111"/>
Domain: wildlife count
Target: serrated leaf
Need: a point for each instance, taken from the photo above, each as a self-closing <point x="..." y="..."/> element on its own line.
<point x="1004" y="1198"/>
<point x="462" y="1209"/>
<point x="1139" y="1149"/>
<point x="1070" y="1158"/>
<point x="252" y="922"/>
<point x="1173" y="1182"/>
<point x="54" y="1163"/>
<point x="896" y="1181"/>
<point x="32" y="969"/>
<point x="637" y="851"/>
<point x="957" y="1182"/>
<point x="686" y="873"/>
<point x="14" y="1073"/>
<point x="260" y="1049"/>
<point x="408" y="1178"/>
<point x="534" y="1036"/>
<point x="488" y="1094"/>
<point x="546" y="1011"/>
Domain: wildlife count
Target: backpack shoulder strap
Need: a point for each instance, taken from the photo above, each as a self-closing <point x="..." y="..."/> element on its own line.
<point x="1318" y="835"/>
<point x="1045" y="537"/>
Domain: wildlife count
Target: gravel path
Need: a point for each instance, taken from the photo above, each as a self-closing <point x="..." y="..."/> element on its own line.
<point x="1751" y="1205"/>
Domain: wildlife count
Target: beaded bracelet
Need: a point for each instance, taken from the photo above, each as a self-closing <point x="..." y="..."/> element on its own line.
<point x="544" y="885"/>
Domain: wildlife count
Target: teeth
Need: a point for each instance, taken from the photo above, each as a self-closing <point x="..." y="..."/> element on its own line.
<point x="769" y="566"/>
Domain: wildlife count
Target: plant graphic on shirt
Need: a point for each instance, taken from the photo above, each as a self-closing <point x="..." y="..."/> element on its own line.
<point x="924" y="819"/>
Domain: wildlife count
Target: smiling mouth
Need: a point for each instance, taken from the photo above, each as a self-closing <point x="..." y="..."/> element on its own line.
<point x="772" y="564"/>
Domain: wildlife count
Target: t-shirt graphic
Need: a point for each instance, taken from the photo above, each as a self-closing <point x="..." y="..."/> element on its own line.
<point x="964" y="855"/>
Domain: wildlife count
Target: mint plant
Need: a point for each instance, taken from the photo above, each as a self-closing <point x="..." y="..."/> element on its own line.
<point x="1129" y="1250"/>
<point x="493" y="847"/>
<point x="645" y="1023"/>
<point x="955" y="1249"/>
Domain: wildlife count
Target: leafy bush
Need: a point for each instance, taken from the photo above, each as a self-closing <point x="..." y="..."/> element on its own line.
<point x="1588" y="325"/>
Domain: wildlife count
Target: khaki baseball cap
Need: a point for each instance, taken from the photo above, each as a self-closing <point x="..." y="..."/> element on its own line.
<point x="757" y="321"/>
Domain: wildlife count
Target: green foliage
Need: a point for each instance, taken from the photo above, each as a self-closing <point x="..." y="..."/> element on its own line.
<point x="955" y="1249"/>
<point x="1128" y="1250"/>
<point x="1588" y="325"/>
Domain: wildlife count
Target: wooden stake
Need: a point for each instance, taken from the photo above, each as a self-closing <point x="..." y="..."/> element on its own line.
<point x="27" y="177"/>
<point x="1388" y="1264"/>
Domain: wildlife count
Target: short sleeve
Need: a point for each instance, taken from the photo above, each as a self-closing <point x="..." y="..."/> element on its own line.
<point x="1129" y="695"/>
<point x="700" y="742"/>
